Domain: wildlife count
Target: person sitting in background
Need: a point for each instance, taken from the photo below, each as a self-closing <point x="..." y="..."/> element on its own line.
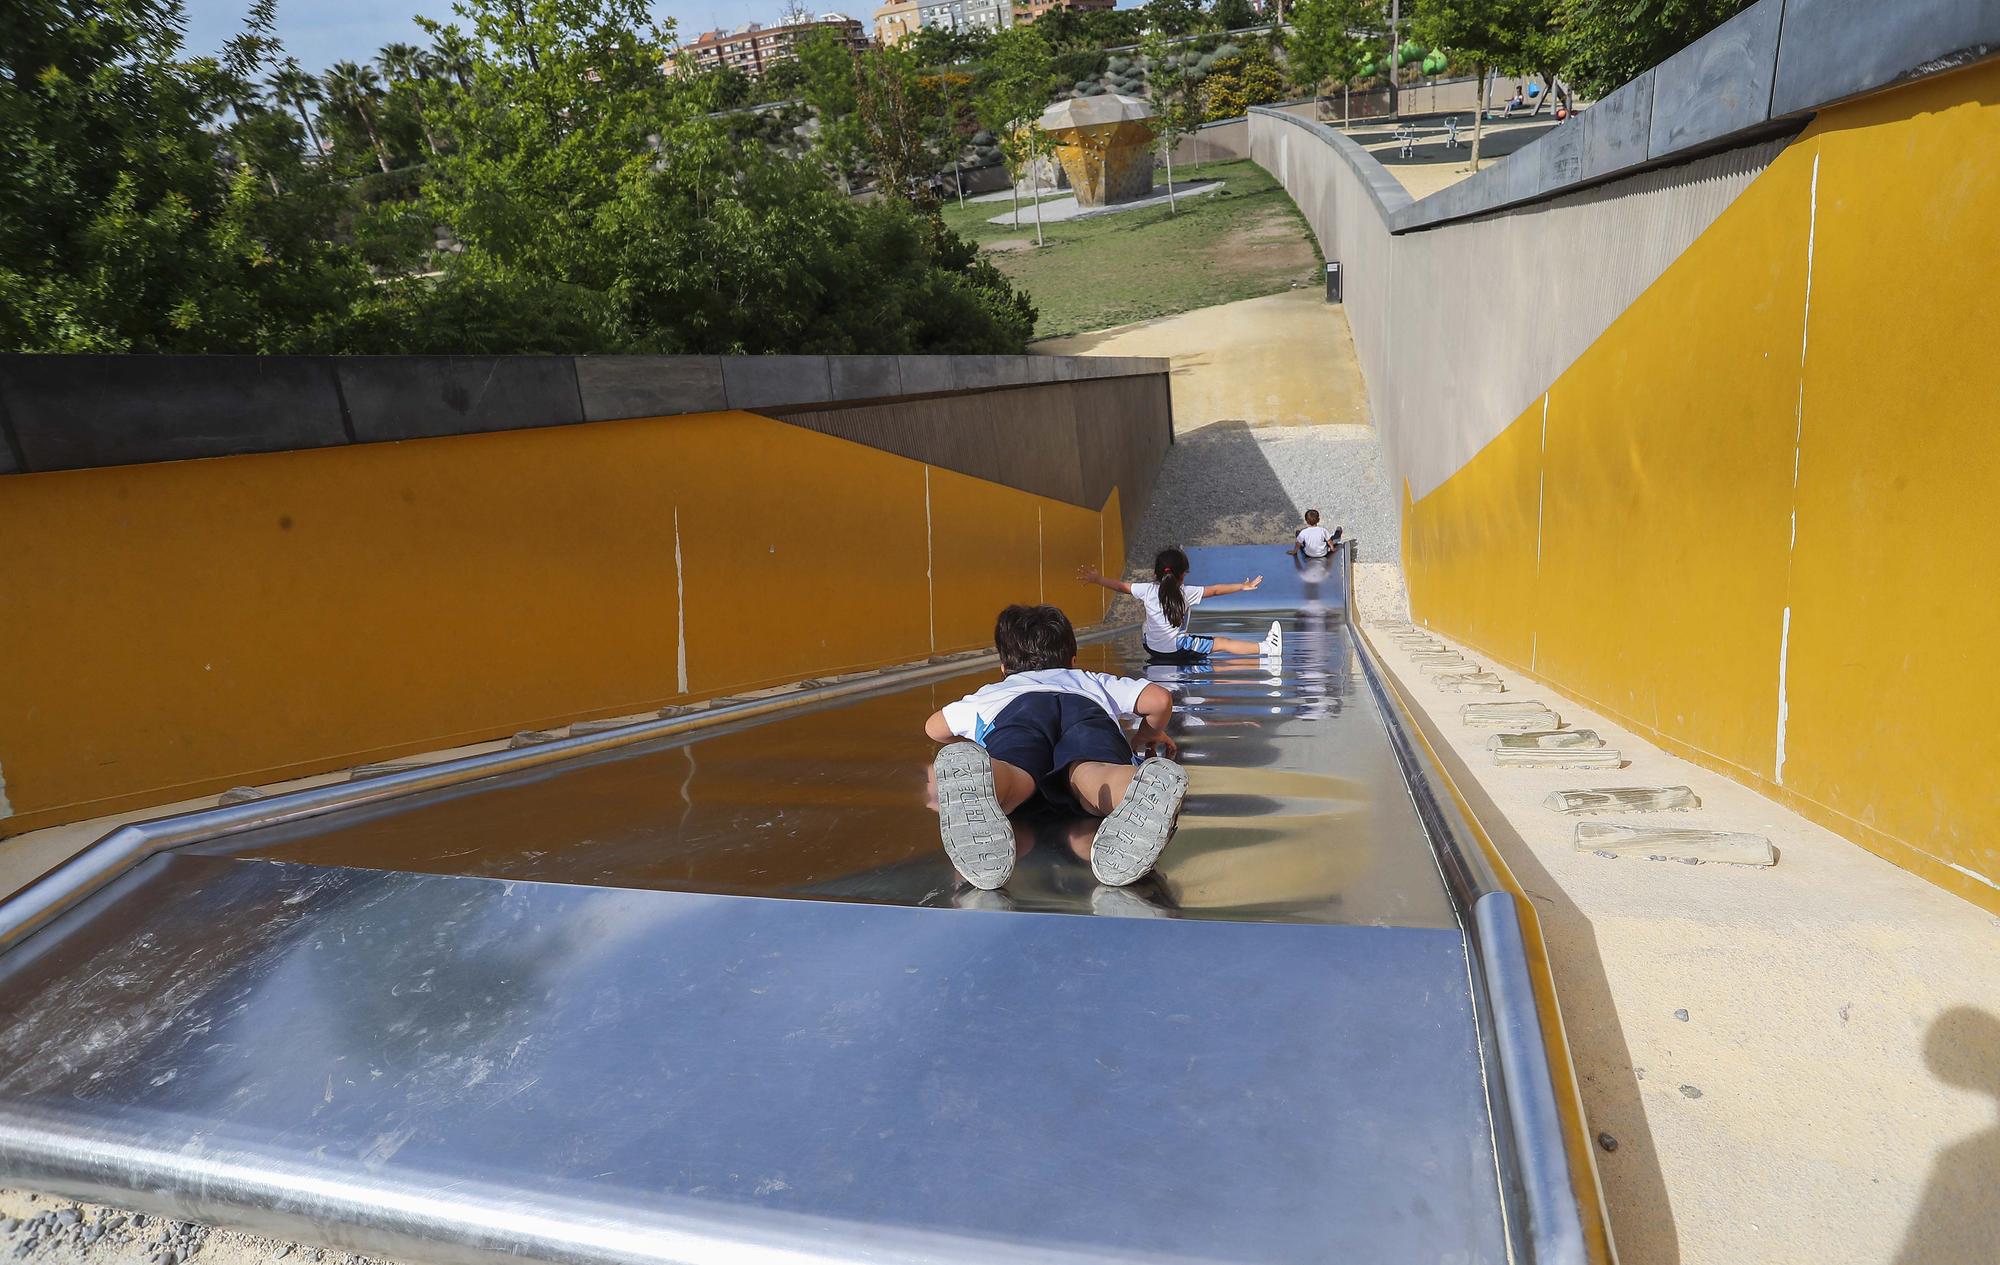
<point x="1519" y="101"/>
<point x="1314" y="541"/>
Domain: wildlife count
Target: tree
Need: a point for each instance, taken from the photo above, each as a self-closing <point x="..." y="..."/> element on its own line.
<point x="1487" y="35"/>
<point x="827" y="67"/>
<point x="1171" y="83"/>
<point x="451" y="51"/>
<point x="128" y="222"/>
<point x="406" y="67"/>
<point x="1023" y="73"/>
<point x="1174" y="17"/>
<point x="901" y="125"/>
<point x="1324" y="47"/>
<point x="293" y="87"/>
<point x="353" y="86"/>
<point x="1231" y="15"/>
<point x="1607" y="43"/>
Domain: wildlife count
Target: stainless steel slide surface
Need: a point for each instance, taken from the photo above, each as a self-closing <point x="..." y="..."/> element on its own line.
<point x="718" y="997"/>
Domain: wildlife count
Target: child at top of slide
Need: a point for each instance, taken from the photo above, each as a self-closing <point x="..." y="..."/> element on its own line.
<point x="1169" y="600"/>
<point x="1052" y="732"/>
<point x="1313" y="540"/>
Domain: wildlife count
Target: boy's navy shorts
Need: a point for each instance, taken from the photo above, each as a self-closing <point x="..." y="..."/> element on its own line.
<point x="1046" y="732"/>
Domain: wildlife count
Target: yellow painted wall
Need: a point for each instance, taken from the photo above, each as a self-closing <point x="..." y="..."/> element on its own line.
<point x="178" y="628"/>
<point x="1758" y="524"/>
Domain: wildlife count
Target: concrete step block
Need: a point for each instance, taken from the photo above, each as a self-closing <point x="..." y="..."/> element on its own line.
<point x="1546" y="740"/>
<point x="1558" y="758"/>
<point x="1475" y="683"/>
<point x="238" y="795"/>
<point x="1623" y="799"/>
<point x="1674" y="843"/>
<point x="1517" y="717"/>
<point x="531" y="738"/>
<point x="1437" y="656"/>
<point x="362" y="772"/>
<point x="585" y="727"/>
<point x="1436" y="670"/>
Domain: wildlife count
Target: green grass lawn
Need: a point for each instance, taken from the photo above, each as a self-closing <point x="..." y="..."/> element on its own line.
<point x="1245" y="240"/>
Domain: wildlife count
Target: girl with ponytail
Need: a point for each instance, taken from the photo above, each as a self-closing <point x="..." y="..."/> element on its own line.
<point x="1169" y="599"/>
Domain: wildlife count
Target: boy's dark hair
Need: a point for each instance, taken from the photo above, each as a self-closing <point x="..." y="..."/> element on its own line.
<point x="1031" y="638"/>
<point x="1312" y="518"/>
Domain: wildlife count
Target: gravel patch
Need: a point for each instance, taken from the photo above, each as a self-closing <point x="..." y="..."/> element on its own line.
<point x="1234" y="484"/>
<point x="44" y="1230"/>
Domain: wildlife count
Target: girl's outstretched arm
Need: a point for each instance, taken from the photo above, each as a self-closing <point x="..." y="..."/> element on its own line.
<point x="1219" y="590"/>
<point x="1087" y="574"/>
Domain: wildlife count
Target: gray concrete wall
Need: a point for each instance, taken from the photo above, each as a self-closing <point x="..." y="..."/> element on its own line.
<point x="1560" y="237"/>
<point x="1069" y="427"/>
<point x="1070" y="441"/>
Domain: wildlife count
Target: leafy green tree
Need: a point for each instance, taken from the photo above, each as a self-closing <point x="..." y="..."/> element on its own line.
<point x="1023" y="70"/>
<point x="295" y="89"/>
<point x="902" y="125"/>
<point x="1174" y="17"/>
<point x="1485" y="35"/>
<point x="406" y="68"/>
<point x="781" y="82"/>
<point x="1607" y="43"/>
<point x="829" y="73"/>
<point x="353" y="86"/>
<point x="128" y="221"/>
<point x="1070" y="30"/>
<point x="1328" y="44"/>
<point x="1231" y="15"/>
<point x="1172" y="84"/>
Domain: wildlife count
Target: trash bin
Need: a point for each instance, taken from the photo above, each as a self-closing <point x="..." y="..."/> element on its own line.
<point x="1333" y="281"/>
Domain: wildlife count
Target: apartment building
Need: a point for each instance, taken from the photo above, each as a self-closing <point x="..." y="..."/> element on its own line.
<point x="755" y="48"/>
<point x="900" y="19"/>
<point x="1026" y="11"/>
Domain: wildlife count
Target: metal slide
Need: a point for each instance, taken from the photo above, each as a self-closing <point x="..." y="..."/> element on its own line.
<point x="713" y="994"/>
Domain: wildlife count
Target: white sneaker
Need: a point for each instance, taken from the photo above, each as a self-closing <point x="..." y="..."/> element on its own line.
<point x="1273" y="645"/>
<point x="976" y="833"/>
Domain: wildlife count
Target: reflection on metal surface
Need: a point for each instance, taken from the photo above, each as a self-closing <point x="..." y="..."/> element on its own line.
<point x="1145" y="1089"/>
<point x="1297" y="810"/>
<point x="579" y="1013"/>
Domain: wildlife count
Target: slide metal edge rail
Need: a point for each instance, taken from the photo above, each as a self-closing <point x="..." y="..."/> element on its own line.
<point x="1487" y="896"/>
<point x="46" y="898"/>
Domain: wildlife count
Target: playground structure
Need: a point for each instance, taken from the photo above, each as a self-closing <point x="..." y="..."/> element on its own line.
<point x="1105" y="146"/>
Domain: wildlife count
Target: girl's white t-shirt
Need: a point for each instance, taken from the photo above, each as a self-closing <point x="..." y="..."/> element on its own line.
<point x="1161" y="634"/>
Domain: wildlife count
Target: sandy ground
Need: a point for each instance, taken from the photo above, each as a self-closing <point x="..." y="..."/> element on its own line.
<point x="1280" y="360"/>
<point x="1798" y="1063"/>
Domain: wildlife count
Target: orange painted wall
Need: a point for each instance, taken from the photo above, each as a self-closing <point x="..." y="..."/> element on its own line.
<point x="1753" y="520"/>
<point x="179" y="628"/>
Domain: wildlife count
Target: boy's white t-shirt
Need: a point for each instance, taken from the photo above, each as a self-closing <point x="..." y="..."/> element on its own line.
<point x="1316" y="541"/>
<point x="974" y="715"/>
<point x="1161" y="634"/>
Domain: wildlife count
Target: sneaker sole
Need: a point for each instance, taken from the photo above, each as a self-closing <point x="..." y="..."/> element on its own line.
<point x="977" y="835"/>
<point x="1136" y="832"/>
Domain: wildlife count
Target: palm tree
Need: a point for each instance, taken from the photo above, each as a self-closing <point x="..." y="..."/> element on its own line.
<point x="453" y="52"/>
<point x="402" y="65"/>
<point x="350" y="84"/>
<point x="292" y="86"/>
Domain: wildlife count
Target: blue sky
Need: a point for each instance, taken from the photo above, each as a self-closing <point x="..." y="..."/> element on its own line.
<point x="320" y="32"/>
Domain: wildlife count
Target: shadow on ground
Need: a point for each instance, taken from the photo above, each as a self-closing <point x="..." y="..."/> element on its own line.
<point x="1958" y="1218"/>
